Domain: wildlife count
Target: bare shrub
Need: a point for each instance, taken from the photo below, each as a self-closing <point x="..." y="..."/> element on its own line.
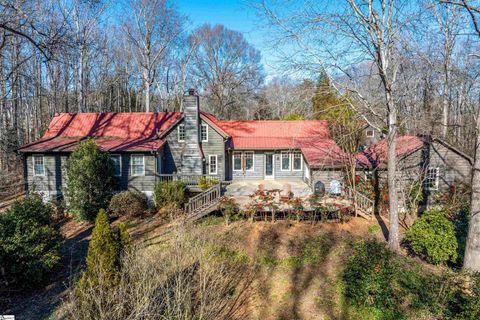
<point x="184" y="278"/>
<point x="128" y="203"/>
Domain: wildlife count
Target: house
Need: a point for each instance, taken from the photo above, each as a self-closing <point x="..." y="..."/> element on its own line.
<point x="149" y="147"/>
<point x="434" y="164"/>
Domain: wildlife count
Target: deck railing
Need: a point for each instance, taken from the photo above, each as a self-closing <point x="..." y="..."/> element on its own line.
<point x="189" y="180"/>
<point x="203" y="200"/>
<point x="362" y="202"/>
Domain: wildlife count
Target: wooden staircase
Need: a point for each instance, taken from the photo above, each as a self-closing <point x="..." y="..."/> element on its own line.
<point x="364" y="206"/>
<point x="203" y="203"/>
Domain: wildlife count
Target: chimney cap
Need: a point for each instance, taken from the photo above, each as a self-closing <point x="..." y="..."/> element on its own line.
<point x="192" y="92"/>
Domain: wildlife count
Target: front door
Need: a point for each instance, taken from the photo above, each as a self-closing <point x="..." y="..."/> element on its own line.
<point x="269" y="166"/>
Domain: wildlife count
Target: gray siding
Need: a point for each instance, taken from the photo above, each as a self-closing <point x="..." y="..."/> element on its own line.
<point x="368" y="141"/>
<point x="214" y="146"/>
<point x="52" y="183"/>
<point x="174" y="150"/>
<point x="144" y="183"/>
<point x="454" y="169"/>
<point x="259" y="167"/>
<point x="290" y="174"/>
<point x="326" y="177"/>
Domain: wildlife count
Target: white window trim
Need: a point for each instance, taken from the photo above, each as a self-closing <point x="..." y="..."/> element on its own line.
<point x="233" y="161"/>
<point x="178" y="132"/>
<point x="301" y="161"/>
<point x="370" y="135"/>
<point x="206" y="131"/>
<point x="437" y="178"/>
<point x="289" y="161"/>
<point x="43" y="164"/>
<point x="131" y="165"/>
<point x="245" y="162"/>
<point x="120" y="156"/>
<point x="210" y="166"/>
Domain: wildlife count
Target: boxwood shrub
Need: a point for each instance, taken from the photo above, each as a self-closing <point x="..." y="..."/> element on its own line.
<point x="433" y="237"/>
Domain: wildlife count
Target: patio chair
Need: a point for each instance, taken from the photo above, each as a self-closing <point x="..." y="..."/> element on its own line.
<point x="286" y="193"/>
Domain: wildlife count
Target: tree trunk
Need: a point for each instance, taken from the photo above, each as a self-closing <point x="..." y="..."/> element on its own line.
<point x="445" y="100"/>
<point x="472" y="250"/>
<point x="393" y="238"/>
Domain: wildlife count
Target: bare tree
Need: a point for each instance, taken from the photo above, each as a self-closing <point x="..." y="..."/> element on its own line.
<point x="85" y="19"/>
<point x="152" y="30"/>
<point x="364" y="31"/>
<point x="472" y="249"/>
<point x="226" y="66"/>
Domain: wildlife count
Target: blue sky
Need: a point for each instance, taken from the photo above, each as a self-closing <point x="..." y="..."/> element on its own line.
<point x="235" y="15"/>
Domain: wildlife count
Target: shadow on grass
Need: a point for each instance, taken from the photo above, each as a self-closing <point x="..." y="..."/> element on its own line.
<point x="307" y="266"/>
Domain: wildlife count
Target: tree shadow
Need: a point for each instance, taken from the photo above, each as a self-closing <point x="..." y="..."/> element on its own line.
<point x="306" y="268"/>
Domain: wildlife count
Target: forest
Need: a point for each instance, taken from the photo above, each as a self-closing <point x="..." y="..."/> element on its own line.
<point x="399" y="67"/>
<point x="99" y="56"/>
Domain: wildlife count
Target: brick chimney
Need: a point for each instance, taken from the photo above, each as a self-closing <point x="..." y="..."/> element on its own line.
<point x="192" y="159"/>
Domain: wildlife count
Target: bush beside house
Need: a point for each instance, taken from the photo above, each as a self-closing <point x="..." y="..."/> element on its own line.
<point x="433" y="237"/>
<point x="128" y="203"/>
<point x="169" y="194"/>
<point x="90" y="180"/>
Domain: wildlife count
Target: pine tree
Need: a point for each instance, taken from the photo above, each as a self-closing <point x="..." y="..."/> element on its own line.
<point x="103" y="251"/>
<point x="124" y="239"/>
<point x="325" y="102"/>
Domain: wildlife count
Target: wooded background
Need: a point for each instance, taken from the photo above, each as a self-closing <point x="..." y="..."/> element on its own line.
<point x="86" y="56"/>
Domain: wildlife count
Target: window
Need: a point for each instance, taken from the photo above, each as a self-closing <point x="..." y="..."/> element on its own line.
<point x="212" y="169"/>
<point x="237" y="161"/>
<point x="138" y="165"/>
<point x="370" y="133"/>
<point x="243" y="161"/>
<point x="431" y="178"/>
<point x="297" y="161"/>
<point x="38" y="165"/>
<point x="248" y="161"/>
<point x="181" y="133"/>
<point x="117" y="164"/>
<point x="204" y="133"/>
<point x="285" y="161"/>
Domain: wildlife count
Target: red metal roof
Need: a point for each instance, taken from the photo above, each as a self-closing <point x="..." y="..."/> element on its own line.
<point x="324" y="153"/>
<point x="312" y="137"/>
<point x="377" y="154"/>
<point x="273" y="134"/>
<point x="113" y="131"/>
<point x="139" y="131"/>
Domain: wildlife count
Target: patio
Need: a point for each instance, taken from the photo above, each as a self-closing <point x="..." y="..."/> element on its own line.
<point x="248" y="187"/>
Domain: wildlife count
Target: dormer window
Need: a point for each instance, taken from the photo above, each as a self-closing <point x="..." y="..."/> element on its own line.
<point x="370" y="133"/>
<point x="181" y="133"/>
<point x="204" y="133"/>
